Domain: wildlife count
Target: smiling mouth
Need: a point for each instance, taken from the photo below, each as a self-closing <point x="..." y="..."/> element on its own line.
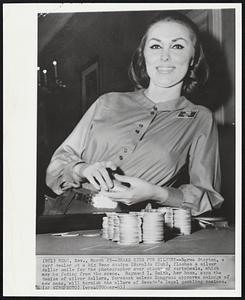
<point x="165" y="70"/>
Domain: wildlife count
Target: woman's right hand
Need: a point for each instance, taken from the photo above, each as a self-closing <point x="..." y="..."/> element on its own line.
<point x="97" y="174"/>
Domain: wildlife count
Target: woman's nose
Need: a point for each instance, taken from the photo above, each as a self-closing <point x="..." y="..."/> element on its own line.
<point x="164" y="55"/>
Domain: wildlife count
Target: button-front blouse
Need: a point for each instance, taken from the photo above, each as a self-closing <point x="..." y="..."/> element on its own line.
<point x="152" y="141"/>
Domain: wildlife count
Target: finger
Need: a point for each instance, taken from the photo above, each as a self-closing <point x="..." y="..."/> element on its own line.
<point x="106" y="177"/>
<point x="97" y="175"/>
<point x="111" y="165"/>
<point x="123" y="178"/>
<point x="93" y="182"/>
<point x="118" y="187"/>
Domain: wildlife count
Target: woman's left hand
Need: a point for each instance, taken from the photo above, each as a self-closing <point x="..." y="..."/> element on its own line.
<point x="139" y="190"/>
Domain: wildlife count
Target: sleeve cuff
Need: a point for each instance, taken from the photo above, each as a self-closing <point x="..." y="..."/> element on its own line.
<point x="70" y="177"/>
<point x="175" y="197"/>
<point x="76" y="176"/>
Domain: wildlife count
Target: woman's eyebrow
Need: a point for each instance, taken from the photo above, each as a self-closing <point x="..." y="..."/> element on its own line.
<point x="155" y="39"/>
<point x="180" y="38"/>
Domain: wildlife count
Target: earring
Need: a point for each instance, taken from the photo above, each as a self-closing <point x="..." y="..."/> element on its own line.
<point x="191" y="67"/>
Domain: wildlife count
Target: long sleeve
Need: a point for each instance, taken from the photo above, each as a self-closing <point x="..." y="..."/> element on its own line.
<point x="202" y="194"/>
<point x="60" y="175"/>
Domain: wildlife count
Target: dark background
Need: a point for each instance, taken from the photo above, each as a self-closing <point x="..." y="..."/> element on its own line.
<point x="76" y="39"/>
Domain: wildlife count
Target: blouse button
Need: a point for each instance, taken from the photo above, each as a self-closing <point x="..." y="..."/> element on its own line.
<point x="120" y="157"/>
<point x="125" y="150"/>
<point x="140" y="125"/>
<point x="137" y="131"/>
<point x="152" y="112"/>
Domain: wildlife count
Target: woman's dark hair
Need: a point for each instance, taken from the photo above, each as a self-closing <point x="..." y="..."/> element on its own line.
<point x="197" y="74"/>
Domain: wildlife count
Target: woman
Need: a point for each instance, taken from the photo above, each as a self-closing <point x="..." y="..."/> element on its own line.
<point x="145" y="139"/>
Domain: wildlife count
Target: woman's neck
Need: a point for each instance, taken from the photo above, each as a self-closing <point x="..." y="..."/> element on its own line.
<point x="159" y="94"/>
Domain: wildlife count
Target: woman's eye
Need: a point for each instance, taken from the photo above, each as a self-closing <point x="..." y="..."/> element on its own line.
<point x="177" y="46"/>
<point x="155" y="46"/>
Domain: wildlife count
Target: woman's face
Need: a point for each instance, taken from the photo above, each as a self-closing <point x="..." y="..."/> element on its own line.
<point x="168" y="53"/>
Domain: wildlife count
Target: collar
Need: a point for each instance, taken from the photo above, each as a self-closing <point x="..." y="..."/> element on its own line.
<point x="171" y="105"/>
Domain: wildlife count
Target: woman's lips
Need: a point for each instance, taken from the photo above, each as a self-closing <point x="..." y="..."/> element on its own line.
<point x="165" y="70"/>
